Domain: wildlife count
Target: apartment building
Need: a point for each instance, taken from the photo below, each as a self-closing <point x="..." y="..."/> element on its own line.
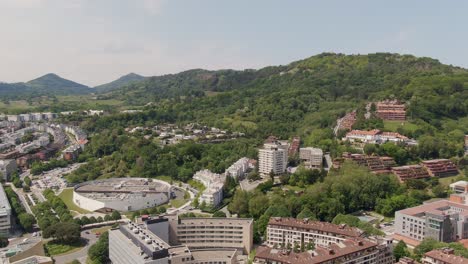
<point x="331" y="244"/>
<point x="282" y="232"/>
<point x="213" y="182"/>
<point x="147" y="242"/>
<point x="440" y="167"/>
<point x="311" y="157"/>
<point x="7" y="168"/>
<point x="273" y="157"/>
<point x="442" y="220"/>
<point x="202" y="233"/>
<point x="353" y="250"/>
<point x="443" y="256"/>
<point x="131" y="243"/>
<point x="405" y="173"/>
<point x="239" y="168"/>
<point x="5" y="214"/>
<point x="391" y="110"/>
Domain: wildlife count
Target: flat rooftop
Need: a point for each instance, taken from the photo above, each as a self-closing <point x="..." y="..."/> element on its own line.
<point x="123" y="185"/>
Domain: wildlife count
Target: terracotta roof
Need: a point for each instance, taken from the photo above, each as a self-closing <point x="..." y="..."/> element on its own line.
<point x="444" y="256"/>
<point x="319" y="255"/>
<point x="437" y="205"/>
<point x="364" y="132"/>
<point x="317" y="225"/>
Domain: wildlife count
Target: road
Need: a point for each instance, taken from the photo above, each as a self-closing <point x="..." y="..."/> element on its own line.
<point x="80" y="255"/>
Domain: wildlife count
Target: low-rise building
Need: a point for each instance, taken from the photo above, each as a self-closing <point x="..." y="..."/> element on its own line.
<point x="294" y="146"/>
<point x="351" y="250"/>
<point x="376" y="164"/>
<point x="443" y="256"/>
<point x="440" y="167"/>
<point x="442" y="220"/>
<point x="238" y="169"/>
<point x="391" y="110"/>
<point x="213" y="182"/>
<point x="312" y="157"/>
<point x="320" y="242"/>
<point x="203" y="233"/>
<point x="405" y="173"/>
<point x="282" y="232"/>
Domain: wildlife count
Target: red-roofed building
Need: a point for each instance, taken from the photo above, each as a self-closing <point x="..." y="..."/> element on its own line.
<point x="391" y="110"/>
<point x="443" y="256"/>
<point x="405" y="173"/>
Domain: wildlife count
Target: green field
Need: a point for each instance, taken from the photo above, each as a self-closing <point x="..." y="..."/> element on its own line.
<point x="394" y="125"/>
<point x="67" y="197"/>
<point x="448" y="180"/>
<point x="55" y="249"/>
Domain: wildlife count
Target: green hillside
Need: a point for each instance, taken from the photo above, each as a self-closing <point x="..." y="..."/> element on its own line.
<point x="122" y="81"/>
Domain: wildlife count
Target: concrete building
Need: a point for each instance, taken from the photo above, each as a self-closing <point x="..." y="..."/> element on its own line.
<point x="5" y="214"/>
<point x="7" y="168"/>
<point x="213" y="182"/>
<point x="238" y="169"/>
<point x="144" y="242"/>
<point x="130" y="243"/>
<point x="346" y="122"/>
<point x="202" y="233"/>
<point x="442" y="220"/>
<point x="405" y="173"/>
<point x="121" y="194"/>
<point x="312" y="157"/>
<point x="71" y="153"/>
<point x="273" y="157"/>
<point x="440" y="167"/>
<point x="443" y="256"/>
<point x="459" y="187"/>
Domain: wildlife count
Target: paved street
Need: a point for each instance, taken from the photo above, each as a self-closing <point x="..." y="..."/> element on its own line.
<point x="80" y="255"/>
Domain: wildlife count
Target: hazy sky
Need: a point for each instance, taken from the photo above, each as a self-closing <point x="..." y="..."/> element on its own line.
<point x="96" y="41"/>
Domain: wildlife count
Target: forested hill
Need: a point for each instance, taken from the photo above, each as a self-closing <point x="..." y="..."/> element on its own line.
<point x="303" y="96"/>
<point x="122" y="81"/>
<point x="49" y="84"/>
<point x="333" y="74"/>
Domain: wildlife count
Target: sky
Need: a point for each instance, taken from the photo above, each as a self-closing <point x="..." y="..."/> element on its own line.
<point x="97" y="41"/>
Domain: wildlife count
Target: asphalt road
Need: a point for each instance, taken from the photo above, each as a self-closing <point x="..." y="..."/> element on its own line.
<point x="81" y="254"/>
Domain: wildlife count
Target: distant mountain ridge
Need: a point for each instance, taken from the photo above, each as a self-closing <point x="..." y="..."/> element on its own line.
<point x="52" y="84"/>
<point x="122" y="81"/>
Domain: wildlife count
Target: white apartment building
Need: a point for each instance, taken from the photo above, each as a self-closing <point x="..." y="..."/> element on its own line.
<point x="213" y="194"/>
<point x="273" y="157"/>
<point x="238" y="169"/>
<point x="312" y="157"/>
<point x="5" y="214"/>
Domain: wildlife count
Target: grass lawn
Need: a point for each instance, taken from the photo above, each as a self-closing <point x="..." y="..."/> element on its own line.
<point x="55" y="248"/>
<point x="178" y="202"/>
<point x="67" y="197"/>
<point x="100" y="229"/>
<point x="448" y="180"/>
<point x="197" y="185"/>
<point x="394" y="125"/>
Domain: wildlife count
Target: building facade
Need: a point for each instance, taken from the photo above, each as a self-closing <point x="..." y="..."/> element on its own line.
<point x="273" y="157"/>
<point x="5" y="214"/>
<point x="442" y="220"/>
<point x="443" y="256"/>
<point x="312" y="157"/>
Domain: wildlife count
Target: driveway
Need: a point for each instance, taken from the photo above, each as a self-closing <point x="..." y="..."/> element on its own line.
<point x="82" y="254"/>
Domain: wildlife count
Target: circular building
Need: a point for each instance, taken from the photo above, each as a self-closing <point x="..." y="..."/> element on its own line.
<point x="121" y="194"/>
